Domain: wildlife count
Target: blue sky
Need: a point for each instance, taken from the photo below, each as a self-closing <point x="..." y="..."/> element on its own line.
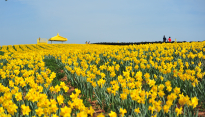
<point x="23" y="21"/>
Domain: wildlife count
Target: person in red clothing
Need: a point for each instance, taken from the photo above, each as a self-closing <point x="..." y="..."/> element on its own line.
<point x="169" y="39"/>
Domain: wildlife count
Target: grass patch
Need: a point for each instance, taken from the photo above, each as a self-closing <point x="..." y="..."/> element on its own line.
<point x="53" y="66"/>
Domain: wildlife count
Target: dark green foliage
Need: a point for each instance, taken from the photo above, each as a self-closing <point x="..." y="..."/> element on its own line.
<point x="1" y="53"/>
<point x="53" y="66"/>
<point x="14" y="48"/>
<point x="21" y="47"/>
<point x="85" y="101"/>
<point x="60" y="75"/>
<point x="28" y="47"/>
<point x="41" y="46"/>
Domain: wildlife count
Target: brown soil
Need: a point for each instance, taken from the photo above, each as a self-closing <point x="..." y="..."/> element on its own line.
<point x="201" y="112"/>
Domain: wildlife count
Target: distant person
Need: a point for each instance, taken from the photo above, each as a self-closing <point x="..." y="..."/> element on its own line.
<point x="164" y="39"/>
<point x="86" y="42"/>
<point x="169" y="40"/>
<point x="89" y="42"/>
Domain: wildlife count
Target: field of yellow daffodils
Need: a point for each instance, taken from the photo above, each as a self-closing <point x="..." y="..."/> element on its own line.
<point x="164" y="80"/>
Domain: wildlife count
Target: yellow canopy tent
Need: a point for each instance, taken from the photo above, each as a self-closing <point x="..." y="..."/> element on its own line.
<point x="58" y="38"/>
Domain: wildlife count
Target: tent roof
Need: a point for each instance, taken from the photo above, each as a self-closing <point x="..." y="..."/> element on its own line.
<point x="58" y="38"/>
